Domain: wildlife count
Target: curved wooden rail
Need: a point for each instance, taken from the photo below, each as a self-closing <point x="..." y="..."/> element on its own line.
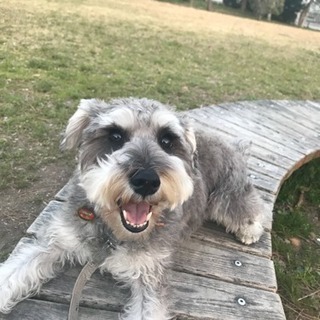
<point x="214" y="276"/>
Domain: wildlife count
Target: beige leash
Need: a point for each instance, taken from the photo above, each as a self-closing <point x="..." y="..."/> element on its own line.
<point x="90" y="267"/>
<point x="82" y="279"/>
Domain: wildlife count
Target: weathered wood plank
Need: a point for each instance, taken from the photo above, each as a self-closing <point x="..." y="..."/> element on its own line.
<point x="260" y="119"/>
<point x="314" y="104"/>
<point x="283" y="107"/>
<point x="265" y="168"/>
<point x="301" y="162"/>
<point x="285" y="114"/>
<point x="261" y="152"/>
<point x="266" y="152"/>
<point x="212" y="233"/>
<point x="191" y="295"/>
<point x="290" y="131"/>
<point x="269" y="200"/>
<point x="245" y="127"/>
<point x="212" y="299"/>
<point x="296" y="110"/>
<point x="101" y="291"/>
<point x="193" y="298"/>
<point x="213" y="261"/>
<point x="32" y="309"/>
<point x="312" y="111"/>
<point x="264" y="182"/>
<point x="260" y="159"/>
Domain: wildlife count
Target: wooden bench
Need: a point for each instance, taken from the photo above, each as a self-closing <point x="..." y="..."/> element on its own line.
<point x="214" y="276"/>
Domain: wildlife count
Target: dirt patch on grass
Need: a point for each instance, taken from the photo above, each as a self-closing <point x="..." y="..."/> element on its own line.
<point x="19" y="208"/>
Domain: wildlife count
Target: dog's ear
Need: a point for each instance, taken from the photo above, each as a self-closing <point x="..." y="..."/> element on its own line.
<point x="187" y="124"/>
<point x="77" y="123"/>
<point x="190" y="137"/>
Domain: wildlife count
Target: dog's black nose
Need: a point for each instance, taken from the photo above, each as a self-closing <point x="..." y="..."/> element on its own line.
<point x="145" y="182"/>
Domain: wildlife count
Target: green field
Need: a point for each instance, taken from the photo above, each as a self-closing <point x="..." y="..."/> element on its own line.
<point x="53" y="53"/>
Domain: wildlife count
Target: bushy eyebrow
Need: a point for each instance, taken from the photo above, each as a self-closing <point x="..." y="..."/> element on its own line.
<point x="167" y="130"/>
<point x="121" y="117"/>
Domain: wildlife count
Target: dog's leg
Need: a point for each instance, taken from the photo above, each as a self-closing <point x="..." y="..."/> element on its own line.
<point x="233" y="201"/>
<point x="144" y="274"/>
<point x="35" y="261"/>
<point x="240" y="212"/>
<point x="147" y="301"/>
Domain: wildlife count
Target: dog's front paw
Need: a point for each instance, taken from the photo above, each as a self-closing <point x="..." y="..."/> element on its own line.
<point x="250" y="233"/>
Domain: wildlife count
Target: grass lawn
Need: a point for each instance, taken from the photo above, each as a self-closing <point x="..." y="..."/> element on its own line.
<point x="53" y="53"/>
<point x="296" y="243"/>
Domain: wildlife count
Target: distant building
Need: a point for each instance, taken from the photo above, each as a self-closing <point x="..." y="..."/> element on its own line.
<point x="312" y="19"/>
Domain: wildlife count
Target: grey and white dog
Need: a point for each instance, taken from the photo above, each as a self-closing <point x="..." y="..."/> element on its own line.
<point x="151" y="180"/>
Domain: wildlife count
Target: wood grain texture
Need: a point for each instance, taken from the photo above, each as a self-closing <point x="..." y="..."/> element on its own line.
<point x="216" y="235"/>
<point x="224" y="122"/>
<point x="265" y="129"/>
<point x="202" y="298"/>
<point x="192" y="297"/>
<point x="265" y="154"/>
<point x="32" y="309"/>
<point x="212" y="261"/>
<point x="290" y="131"/>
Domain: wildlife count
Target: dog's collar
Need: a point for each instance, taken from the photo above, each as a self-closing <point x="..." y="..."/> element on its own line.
<point x="87" y="213"/>
<point x="109" y="242"/>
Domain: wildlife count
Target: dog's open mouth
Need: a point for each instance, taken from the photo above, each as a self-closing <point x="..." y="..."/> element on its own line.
<point x="135" y="216"/>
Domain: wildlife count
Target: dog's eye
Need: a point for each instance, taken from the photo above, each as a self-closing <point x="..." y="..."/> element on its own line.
<point x="166" y="141"/>
<point x="117" y="138"/>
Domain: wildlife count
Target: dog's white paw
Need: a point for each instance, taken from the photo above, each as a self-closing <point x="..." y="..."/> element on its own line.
<point x="250" y="233"/>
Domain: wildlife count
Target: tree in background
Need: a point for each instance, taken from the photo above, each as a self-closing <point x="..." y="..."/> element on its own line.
<point x="283" y="10"/>
<point x="291" y="10"/>
<point x="267" y="8"/>
<point x="232" y="3"/>
<point x="244" y="4"/>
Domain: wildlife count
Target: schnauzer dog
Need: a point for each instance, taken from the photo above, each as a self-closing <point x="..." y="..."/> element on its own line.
<point x="150" y="180"/>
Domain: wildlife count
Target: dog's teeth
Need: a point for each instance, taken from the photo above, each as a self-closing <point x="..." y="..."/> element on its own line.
<point x="149" y="216"/>
<point x="125" y="215"/>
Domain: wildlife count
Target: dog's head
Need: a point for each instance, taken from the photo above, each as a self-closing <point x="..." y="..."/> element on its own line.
<point x="136" y="158"/>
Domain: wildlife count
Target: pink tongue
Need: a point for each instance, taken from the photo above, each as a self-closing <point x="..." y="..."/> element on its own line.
<point x="136" y="212"/>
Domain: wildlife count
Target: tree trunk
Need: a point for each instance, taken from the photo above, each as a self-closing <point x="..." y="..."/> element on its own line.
<point x="304" y="13"/>
<point x="244" y="5"/>
<point x="269" y="16"/>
